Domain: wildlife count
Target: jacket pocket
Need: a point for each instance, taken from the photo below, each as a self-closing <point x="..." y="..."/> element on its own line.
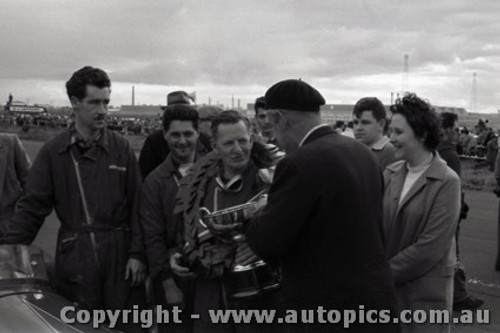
<point x="74" y="256"/>
<point x="433" y="289"/>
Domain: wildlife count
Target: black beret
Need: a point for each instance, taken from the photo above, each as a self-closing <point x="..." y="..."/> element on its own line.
<point x="293" y="95"/>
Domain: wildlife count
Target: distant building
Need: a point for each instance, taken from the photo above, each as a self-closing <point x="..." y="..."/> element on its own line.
<point x="330" y="113"/>
<point x="138" y="111"/>
<point x="18" y="107"/>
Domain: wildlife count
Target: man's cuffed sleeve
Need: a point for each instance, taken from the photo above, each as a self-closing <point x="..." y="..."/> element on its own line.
<point x="276" y="227"/>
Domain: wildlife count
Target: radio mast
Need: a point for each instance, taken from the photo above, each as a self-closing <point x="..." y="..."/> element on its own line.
<point x="473" y="95"/>
<point x="406" y="74"/>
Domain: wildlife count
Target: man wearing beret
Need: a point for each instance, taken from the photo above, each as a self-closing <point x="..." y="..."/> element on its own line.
<point x="323" y="217"/>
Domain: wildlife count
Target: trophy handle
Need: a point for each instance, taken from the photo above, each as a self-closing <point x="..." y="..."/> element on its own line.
<point x="203" y="212"/>
<point x="259" y="196"/>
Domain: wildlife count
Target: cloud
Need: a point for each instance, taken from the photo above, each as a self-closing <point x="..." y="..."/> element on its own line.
<point x="246" y="46"/>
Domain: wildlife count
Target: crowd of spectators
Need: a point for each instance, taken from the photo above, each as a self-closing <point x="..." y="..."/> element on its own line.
<point x="124" y="125"/>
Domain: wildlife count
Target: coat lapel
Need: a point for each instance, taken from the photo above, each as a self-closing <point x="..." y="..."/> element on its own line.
<point x="397" y="182"/>
<point x="397" y="179"/>
<point x="434" y="171"/>
<point x="319" y="132"/>
<point x="417" y="186"/>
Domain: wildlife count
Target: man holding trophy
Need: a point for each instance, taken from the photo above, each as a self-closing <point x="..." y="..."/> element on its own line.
<point x="220" y="189"/>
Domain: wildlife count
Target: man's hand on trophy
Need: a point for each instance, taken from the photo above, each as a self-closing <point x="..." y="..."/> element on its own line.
<point x="177" y="268"/>
<point x="244" y="255"/>
<point x="257" y="204"/>
<point x="225" y="231"/>
<point x="173" y="294"/>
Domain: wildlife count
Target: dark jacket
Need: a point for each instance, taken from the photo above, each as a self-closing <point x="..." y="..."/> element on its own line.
<point x="448" y="151"/>
<point x="323" y="221"/>
<point x="153" y="153"/>
<point x="111" y="181"/>
<point x="157" y="217"/>
<point x="384" y="152"/>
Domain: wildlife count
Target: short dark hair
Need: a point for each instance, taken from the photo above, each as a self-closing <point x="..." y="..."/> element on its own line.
<point x="183" y="112"/>
<point x="229" y="117"/>
<point x="421" y="117"/>
<point x="372" y="104"/>
<point x="447" y="119"/>
<point x="260" y="103"/>
<point x="88" y="75"/>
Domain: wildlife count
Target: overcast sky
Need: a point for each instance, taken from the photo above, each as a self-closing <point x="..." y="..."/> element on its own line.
<point x="347" y="49"/>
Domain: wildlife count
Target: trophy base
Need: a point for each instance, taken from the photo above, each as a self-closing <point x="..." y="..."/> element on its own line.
<point x="252" y="280"/>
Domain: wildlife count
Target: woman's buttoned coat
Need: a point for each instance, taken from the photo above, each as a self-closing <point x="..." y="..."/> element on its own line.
<point x="419" y="234"/>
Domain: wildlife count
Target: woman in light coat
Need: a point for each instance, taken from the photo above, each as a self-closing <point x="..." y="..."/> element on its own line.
<point x="421" y="210"/>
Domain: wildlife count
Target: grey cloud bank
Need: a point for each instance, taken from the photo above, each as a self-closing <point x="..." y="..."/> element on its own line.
<point x="347" y="49"/>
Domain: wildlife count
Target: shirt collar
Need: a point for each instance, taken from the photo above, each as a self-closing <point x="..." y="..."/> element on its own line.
<point x="74" y="138"/>
<point x="77" y="138"/>
<point x="310" y="132"/>
<point x="236" y="183"/>
<point x="380" y="144"/>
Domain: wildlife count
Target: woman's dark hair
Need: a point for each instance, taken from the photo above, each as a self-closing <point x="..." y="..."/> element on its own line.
<point x="421" y="117"/>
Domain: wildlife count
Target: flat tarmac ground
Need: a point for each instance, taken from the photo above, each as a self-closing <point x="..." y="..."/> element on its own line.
<point x="478" y="248"/>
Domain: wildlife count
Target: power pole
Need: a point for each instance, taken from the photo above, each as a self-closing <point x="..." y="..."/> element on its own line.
<point x="473" y="95"/>
<point x="406" y="73"/>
